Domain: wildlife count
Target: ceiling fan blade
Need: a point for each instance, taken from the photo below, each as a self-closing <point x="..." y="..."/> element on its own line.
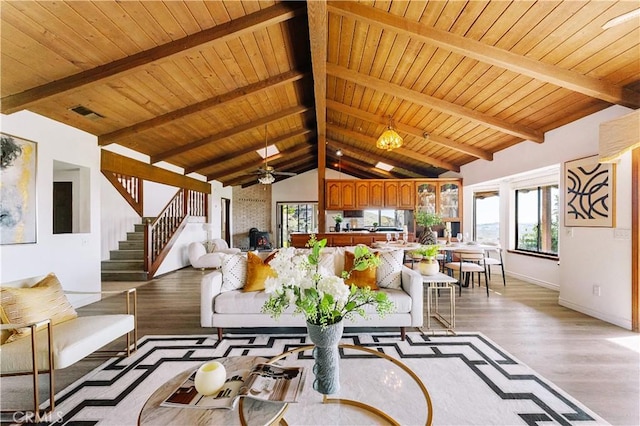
<point x="284" y="173"/>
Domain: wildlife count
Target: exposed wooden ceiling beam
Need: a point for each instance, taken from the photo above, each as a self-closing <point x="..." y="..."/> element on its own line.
<point x="353" y="147"/>
<point x="233" y="96"/>
<point x="235" y="154"/>
<point x="492" y="55"/>
<point x="352" y="171"/>
<point x="401" y="151"/>
<point x="318" y="27"/>
<point x="347" y="162"/>
<point x="229" y="133"/>
<point x="317" y="18"/>
<point x="435" y="103"/>
<point x="254" y="163"/>
<point x="220" y="33"/>
<point x="414" y="131"/>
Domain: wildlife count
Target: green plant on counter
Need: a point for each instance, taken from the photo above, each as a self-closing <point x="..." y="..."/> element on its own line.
<point x="337" y="218"/>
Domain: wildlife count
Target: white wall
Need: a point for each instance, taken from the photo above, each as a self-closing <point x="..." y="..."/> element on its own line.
<point x="300" y="188"/>
<point x="215" y="207"/>
<point x="579" y="267"/>
<point x="75" y="258"/>
<point x="116" y="220"/>
<point x="156" y="196"/>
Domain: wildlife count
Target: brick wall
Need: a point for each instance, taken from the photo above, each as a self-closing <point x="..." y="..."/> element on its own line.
<point x="251" y="209"/>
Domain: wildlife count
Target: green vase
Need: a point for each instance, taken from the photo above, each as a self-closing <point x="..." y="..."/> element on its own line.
<point x="327" y="356"/>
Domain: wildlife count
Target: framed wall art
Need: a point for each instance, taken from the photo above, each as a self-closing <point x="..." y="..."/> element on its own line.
<point x="18" y="216"/>
<point x="589" y="196"/>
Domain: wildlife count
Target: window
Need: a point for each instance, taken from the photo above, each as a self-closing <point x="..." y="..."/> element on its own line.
<point x="301" y="217"/>
<point x="486" y="216"/>
<point x="393" y="218"/>
<point x="537" y="219"/>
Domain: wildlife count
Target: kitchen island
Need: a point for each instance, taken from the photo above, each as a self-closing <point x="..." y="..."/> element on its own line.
<point x="338" y="239"/>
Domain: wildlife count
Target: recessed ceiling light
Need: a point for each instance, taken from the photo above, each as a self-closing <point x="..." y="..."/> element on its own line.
<point x="339" y="153"/>
<point x="271" y="150"/>
<point x="620" y="19"/>
<point x="384" y="166"/>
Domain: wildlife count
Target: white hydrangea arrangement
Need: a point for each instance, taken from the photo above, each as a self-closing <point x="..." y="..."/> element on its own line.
<point x="322" y="298"/>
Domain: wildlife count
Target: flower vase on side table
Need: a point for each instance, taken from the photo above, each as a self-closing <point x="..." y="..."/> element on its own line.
<point x="327" y="356"/>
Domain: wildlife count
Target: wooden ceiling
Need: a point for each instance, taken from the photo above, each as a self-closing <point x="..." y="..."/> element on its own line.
<point x="198" y="83"/>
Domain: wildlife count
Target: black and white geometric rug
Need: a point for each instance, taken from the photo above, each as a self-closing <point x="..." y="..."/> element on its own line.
<point x="470" y="379"/>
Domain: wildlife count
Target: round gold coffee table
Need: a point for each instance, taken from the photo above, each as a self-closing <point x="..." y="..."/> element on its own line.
<point x="368" y="384"/>
<point x="249" y="412"/>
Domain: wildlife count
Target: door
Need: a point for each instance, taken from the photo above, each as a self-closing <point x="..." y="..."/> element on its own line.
<point x="62" y="207"/>
<point x="225" y="222"/>
<point x="295" y="217"/>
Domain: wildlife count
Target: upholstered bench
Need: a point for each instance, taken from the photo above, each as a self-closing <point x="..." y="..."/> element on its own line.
<point x="62" y="338"/>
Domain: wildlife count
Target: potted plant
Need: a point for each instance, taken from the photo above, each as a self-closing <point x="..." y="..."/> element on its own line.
<point x="338" y="219"/>
<point x="325" y="301"/>
<point x="427" y="220"/>
<point x="429" y="264"/>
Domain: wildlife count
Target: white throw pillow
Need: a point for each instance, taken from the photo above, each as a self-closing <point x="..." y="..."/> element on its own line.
<point x="234" y="271"/>
<point x="326" y="265"/>
<point x="389" y="272"/>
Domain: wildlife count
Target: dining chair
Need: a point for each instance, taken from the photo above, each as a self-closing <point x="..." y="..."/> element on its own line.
<point x="493" y="256"/>
<point x="468" y="261"/>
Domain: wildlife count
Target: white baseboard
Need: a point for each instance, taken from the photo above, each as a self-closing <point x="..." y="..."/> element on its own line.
<point x="620" y="322"/>
<point x="526" y="278"/>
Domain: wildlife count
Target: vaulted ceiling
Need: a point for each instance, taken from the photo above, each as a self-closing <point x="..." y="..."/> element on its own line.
<point x="204" y="84"/>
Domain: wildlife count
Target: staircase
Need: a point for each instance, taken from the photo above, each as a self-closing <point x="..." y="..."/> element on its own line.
<point x="127" y="263"/>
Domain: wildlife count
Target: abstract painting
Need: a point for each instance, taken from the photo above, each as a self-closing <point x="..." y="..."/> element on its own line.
<point x="18" y="162"/>
<point x="589" y="193"/>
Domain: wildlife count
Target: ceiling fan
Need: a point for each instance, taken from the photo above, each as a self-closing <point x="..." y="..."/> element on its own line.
<point x="267" y="174"/>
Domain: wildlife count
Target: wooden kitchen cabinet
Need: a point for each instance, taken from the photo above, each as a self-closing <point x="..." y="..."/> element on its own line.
<point x="406" y="195"/>
<point x="376" y="193"/>
<point x="391" y="194"/>
<point x="333" y="195"/>
<point x="449" y="200"/>
<point x="363" y="199"/>
<point x="440" y="196"/>
<point x="348" y="191"/>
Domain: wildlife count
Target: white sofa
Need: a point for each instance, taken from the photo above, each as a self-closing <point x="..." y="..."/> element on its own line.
<point x="200" y="259"/>
<point x="238" y="309"/>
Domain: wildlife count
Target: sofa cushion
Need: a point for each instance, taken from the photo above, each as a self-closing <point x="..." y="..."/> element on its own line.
<point x="257" y="272"/>
<point x="46" y="299"/>
<point x="389" y="272"/>
<point x="238" y="302"/>
<point x="366" y="278"/>
<point x="72" y="341"/>
<point x="234" y="271"/>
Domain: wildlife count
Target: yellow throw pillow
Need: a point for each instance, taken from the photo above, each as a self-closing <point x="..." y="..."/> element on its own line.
<point x="257" y="273"/>
<point x="46" y="299"/>
<point x="366" y="278"/>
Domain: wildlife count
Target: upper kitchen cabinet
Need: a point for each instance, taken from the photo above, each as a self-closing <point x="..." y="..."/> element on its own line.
<point x="406" y="195"/>
<point x="340" y="194"/>
<point x="440" y="196"/>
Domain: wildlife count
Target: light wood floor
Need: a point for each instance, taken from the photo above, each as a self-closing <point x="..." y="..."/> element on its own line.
<point x="576" y="352"/>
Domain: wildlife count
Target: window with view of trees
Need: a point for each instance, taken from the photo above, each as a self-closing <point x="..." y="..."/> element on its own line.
<point x="486" y="216"/>
<point x="537" y="219"/>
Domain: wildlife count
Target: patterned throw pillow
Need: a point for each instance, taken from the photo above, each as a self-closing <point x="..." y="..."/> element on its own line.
<point x="257" y="272"/>
<point x="366" y="278"/>
<point x="234" y="271"/>
<point x="389" y="273"/>
<point x="46" y="299"/>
